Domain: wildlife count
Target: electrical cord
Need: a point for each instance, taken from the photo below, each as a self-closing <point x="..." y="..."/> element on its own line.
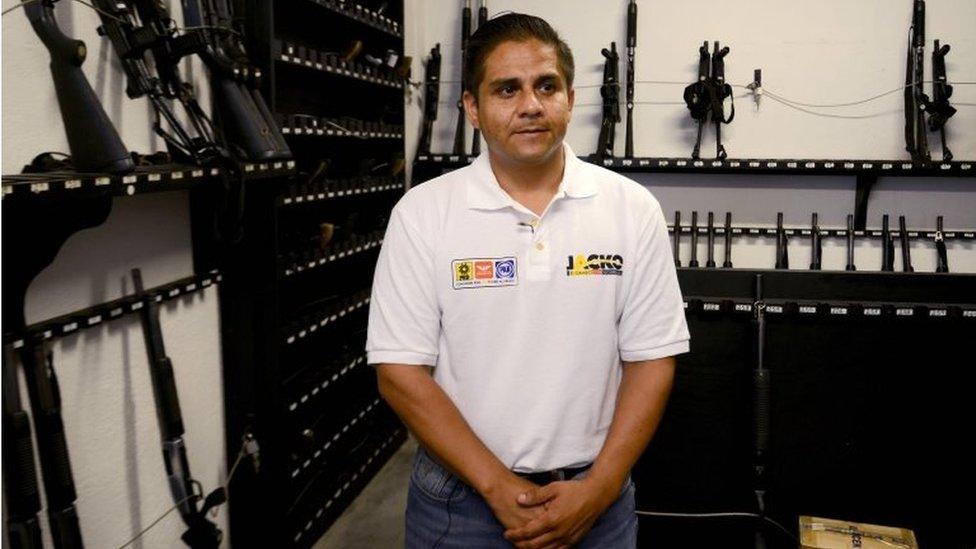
<point x="721" y="515"/>
<point x="230" y="475"/>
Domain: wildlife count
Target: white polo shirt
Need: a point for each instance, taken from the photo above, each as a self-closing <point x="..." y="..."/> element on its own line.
<point x="526" y="318"/>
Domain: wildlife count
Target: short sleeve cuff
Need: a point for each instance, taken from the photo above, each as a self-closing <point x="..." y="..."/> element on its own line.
<point x="400" y="357"/>
<point x="654" y="353"/>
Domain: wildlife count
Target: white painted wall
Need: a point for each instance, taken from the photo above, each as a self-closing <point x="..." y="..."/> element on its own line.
<point x="108" y="406"/>
<point x="832" y="51"/>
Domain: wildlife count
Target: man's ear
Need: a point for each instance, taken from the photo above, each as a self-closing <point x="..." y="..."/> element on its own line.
<point x="571" y="94"/>
<point x="471" y="108"/>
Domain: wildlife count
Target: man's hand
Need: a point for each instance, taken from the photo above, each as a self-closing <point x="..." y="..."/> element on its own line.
<point x="571" y="508"/>
<point x="502" y="500"/>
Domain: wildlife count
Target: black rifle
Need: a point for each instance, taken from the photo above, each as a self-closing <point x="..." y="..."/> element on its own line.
<point x="939" y="108"/>
<point x="887" y="246"/>
<point x="782" y="244"/>
<point x="727" y="264"/>
<point x="465" y="32"/>
<point x="816" y="251"/>
<point x="697" y="95"/>
<point x="94" y="143"/>
<point x="610" y="92"/>
<point x="710" y="262"/>
<point x="476" y="139"/>
<point x="761" y="383"/>
<point x="52" y="446"/>
<point x="916" y="141"/>
<point x="246" y="123"/>
<point x="942" y="263"/>
<point x="631" y="50"/>
<point x="677" y="239"/>
<point x="719" y="92"/>
<point x="850" y="244"/>
<point x="142" y="28"/>
<point x="19" y="476"/>
<point x="201" y="533"/>
<point x="694" y="240"/>
<point x="432" y="86"/>
<point x="706" y="96"/>
<point x="906" y="252"/>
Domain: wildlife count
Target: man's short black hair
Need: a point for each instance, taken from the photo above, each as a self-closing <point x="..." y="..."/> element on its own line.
<point x="512" y="27"/>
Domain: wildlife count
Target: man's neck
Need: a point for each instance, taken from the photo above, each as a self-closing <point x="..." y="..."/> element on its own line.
<point x="532" y="185"/>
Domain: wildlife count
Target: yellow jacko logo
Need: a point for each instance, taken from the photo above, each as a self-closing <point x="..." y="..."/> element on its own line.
<point x="594" y="264"/>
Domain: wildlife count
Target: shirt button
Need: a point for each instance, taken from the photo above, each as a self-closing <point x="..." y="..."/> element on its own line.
<point x="540" y="246"/>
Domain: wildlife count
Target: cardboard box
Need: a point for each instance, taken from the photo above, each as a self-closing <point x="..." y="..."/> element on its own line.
<point x="821" y="533"/>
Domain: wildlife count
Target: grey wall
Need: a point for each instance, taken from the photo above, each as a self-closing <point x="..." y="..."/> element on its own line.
<point x="108" y="410"/>
<point x="833" y="51"/>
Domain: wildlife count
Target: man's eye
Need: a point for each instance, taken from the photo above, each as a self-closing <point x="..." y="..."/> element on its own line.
<point x="507" y="90"/>
<point x="548" y="88"/>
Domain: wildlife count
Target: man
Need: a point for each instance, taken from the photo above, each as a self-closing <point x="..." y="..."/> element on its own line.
<point x="524" y="319"/>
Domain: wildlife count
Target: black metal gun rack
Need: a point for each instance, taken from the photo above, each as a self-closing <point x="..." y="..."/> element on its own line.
<point x="40" y="212"/>
<point x="295" y="293"/>
<point x="866" y="172"/>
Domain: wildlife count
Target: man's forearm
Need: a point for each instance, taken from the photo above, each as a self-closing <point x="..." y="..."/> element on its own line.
<point x="641" y="399"/>
<point x="434" y="419"/>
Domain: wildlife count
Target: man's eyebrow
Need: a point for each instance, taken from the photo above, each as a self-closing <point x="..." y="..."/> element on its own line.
<point x="514" y="81"/>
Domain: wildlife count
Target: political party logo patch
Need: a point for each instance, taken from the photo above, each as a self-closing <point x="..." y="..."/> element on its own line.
<point x="594" y="264"/>
<point x="484" y="272"/>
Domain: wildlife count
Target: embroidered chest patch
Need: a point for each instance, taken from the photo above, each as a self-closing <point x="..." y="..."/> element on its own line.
<point x="594" y="264"/>
<point x="484" y="272"/>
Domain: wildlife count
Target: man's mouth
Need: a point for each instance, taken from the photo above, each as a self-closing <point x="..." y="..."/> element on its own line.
<point x="532" y="130"/>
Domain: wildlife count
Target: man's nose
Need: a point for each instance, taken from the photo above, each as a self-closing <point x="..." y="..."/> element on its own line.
<point x="530" y="106"/>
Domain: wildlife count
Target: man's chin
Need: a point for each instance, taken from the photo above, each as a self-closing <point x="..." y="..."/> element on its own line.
<point x="533" y="155"/>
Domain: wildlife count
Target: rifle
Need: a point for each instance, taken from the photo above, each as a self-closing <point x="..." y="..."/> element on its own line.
<point x="906" y="251"/>
<point x="148" y="29"/>
<point x="719" y="92"/>
<point x="916" y="141"/>
<point x="52" y="446"/>
<point x="94" y="143"/>
<point x="696" y="95"/>
<point x="465" y="31"/>
<point x="782" y="244"/>
<point x="476" y="140"/>
<point x="693" y="262"/>
<point x="201" y="533"/>
<point x="677" y="239"/>
<point x="631" y="50"/>
<point x="20" y="478"/>
<point x="850" y="243"/>
<point x="942" y="263"/>
<point x="816" y="251"/>
<point x="610" y="91"/>
<point x="939" y="108"/>
<point x="710" y="262"/>
<point x="247" y="125"/>
<point x="432" y="82"/>
<point x="887" y="246"/>
<point x="727" y="264"/>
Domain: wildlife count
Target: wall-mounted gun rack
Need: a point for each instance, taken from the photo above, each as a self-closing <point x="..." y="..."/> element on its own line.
<point x="296" y="289"/>
<point x="866" y="172"/>
<point x="863" y="385"/>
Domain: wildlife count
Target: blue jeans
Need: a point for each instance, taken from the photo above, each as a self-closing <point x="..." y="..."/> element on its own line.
<point x="445" y="512"/>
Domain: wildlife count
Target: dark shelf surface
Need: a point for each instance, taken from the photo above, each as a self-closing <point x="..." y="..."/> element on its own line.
<point x="769" y="166"/>
<point x="145" y="179"/>
<point x="363" y="15"/>
<point x="98" y="314"/>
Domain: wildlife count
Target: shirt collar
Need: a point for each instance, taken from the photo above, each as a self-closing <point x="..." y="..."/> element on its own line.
<point x="484" y="192"/>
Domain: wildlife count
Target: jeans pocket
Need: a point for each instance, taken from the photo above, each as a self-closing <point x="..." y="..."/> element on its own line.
<point x="434" y="481"/>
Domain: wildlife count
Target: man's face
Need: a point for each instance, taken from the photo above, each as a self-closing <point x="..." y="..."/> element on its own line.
<point x="523" y="105"/>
